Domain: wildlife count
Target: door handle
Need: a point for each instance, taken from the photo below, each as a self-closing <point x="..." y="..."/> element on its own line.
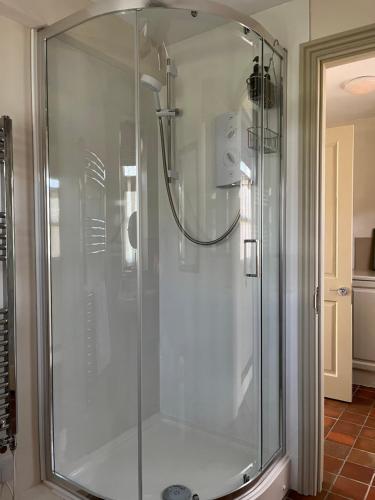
<point x="251" y="273"/>
<point x="342" y="291"/>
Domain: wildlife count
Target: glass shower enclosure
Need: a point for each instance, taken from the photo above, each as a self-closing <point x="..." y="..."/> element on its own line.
<point x="159" y="214"/>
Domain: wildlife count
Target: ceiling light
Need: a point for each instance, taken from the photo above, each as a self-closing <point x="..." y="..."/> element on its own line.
<point x="361" y="85"/>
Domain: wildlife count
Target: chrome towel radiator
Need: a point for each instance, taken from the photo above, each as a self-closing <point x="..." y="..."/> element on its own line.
<point x="8" y="416"/>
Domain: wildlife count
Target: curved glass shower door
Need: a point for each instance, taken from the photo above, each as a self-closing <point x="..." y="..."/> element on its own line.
<point x="164" y="210"/>
<point x="203" y="358"/>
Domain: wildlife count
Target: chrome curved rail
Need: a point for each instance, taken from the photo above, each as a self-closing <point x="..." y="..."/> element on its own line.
<point x="112" y="6"/>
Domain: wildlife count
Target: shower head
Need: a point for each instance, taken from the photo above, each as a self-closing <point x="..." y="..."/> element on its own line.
<point x="153" y="84"/>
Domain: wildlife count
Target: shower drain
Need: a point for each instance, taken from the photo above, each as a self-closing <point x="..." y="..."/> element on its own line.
<point x="176" y="492"/>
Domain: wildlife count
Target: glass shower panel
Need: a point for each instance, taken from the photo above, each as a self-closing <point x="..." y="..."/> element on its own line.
<point x="201" y="404"/>
<point x="271" y="255"/>
<point x="92" y="232"/>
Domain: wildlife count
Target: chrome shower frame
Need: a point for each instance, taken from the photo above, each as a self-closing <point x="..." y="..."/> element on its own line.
<point x="42" y="237"/>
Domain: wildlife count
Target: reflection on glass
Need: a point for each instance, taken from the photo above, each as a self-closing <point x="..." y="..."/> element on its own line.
<point x="128" y="186"/>
<point x="54" y="185"/>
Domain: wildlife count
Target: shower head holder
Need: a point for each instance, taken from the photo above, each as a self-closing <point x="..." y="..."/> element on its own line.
<point x="168" y="113"/>
<point x="171" y="68"/>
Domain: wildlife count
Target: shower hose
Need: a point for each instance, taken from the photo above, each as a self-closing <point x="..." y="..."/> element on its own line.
<point x="183" y="230"/>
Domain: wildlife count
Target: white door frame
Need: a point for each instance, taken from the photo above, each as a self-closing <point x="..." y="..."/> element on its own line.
<point x="315" y="56"/>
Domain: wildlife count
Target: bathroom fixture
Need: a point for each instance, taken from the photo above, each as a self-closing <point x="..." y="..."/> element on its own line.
<point x="157" y="372"/>
<point x="176" y="492"/>
<point x="270" y="139"/>
<point x="232" y="158"/>
<point x="155" y="86"/>
<point x="259" y="82"/>
<point x="8" y="414"/>
<point x="166" y="150"/>
<point x="254" y="82"/>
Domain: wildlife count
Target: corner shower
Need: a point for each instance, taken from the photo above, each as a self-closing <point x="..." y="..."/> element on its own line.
<point x="160" y="271"/>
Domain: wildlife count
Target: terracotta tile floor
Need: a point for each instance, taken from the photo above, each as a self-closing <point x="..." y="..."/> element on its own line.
<point x="349" y="448"/>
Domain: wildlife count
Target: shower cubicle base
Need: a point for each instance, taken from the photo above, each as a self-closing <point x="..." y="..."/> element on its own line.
<point x="172" y="453"/>
<point x="273" y="486"/>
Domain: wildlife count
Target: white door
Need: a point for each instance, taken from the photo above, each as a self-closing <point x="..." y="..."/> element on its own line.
<point x="338" y="222"/>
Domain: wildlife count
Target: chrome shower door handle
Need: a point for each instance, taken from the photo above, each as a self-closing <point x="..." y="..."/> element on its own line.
<point x="251" y="259"/>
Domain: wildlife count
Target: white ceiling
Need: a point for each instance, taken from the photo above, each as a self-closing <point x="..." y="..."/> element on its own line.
<point x="250" y="7"/>
<point x="342" y="107"/>
<point x="41" y="12"/>
<point x="35" y="13"/>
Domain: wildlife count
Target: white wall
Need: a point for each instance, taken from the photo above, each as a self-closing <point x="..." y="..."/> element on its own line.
<point x="334" y="16"/>
<point x="15" y="101"/>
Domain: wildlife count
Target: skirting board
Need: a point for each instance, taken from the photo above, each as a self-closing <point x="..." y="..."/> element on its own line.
<point x="273" y="486"/>
<point x="367" y="366"/>
<point x="364" y="377"/>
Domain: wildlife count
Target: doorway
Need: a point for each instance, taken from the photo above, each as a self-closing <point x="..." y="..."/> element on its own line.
<point x="321" y="358"/>
<point x="347" y="317"/>
<point x="348" y="227"/>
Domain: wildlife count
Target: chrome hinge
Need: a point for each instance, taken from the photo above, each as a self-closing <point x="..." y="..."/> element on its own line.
<point x="316" y="300"/>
